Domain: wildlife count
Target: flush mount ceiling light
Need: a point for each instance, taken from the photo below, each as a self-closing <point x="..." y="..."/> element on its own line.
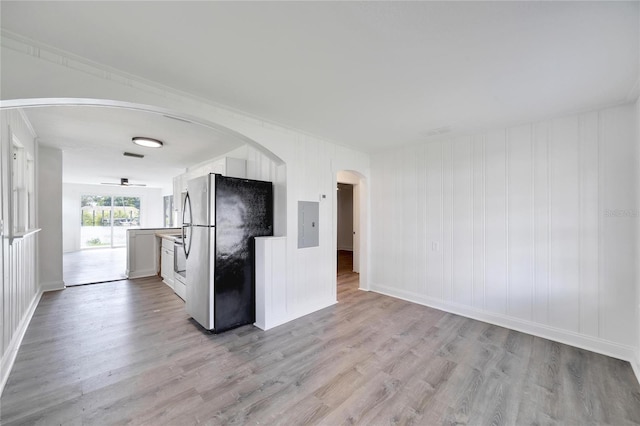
<point x="147" y="142"/>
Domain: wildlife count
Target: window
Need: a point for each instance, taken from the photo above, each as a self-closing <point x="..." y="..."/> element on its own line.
<point x="106" y="218"/>
<point x="23" y="189"/>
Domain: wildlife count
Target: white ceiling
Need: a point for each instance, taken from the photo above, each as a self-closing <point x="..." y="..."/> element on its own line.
<point x="93" y="140"/>
<point x="366" y="74"/>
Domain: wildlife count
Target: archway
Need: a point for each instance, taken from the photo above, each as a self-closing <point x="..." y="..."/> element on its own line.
<point x="51" y="102"/>
<point x="280" y="219"/>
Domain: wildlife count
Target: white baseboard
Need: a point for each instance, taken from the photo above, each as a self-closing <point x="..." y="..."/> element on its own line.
<point x="52" y="286"/>
<point x="635" y="364"/>
<point x="602" y="346"/>
<point x="309" y="309"/>
<point x="299" y="314"/>
<point x="142" y="274"/>
<point x="268" y="325"/>
<point x="9" y="357"/>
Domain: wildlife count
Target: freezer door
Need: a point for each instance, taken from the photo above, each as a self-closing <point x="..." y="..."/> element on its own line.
<point x="200" y="281"/>
<point x="201" y="191"/>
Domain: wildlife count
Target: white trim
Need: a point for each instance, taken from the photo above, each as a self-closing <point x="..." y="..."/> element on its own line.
<point x="52" y="286"/>
<point x="9" y="357"/>
<point x="594" y="344"/>
<point x="635" y="365"/>
<point x="142" y="274"/>
<point x="267" y="325"/>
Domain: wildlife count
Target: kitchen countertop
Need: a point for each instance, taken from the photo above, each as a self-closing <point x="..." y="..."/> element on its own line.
<point x="169" y="233"/>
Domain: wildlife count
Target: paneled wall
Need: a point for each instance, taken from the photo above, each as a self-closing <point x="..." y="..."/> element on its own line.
<point x="19" y="292"/>
<point x="532" y="227"/>
<point x="636" y="364"/>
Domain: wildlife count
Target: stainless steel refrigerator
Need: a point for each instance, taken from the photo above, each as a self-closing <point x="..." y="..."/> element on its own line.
<point x="221" y="217"/>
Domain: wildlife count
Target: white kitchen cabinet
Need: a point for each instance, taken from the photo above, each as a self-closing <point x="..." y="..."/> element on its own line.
<point x="226" y="166"/>
<point x="166" y="262"/>
<point x="179" y="188"/>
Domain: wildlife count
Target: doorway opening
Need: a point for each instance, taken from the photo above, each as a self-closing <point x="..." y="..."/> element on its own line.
<point x="348" y="191"/>
<point x="104" y="220"/>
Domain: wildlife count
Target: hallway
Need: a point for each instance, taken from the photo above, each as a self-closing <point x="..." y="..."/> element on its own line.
<point x="348" y="281"/>
<point x="94" y="266"/>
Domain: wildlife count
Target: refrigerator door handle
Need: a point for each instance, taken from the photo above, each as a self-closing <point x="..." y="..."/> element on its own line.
<point x="186" y="236"/>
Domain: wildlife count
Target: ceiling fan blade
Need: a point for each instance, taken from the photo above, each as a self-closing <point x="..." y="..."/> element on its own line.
<point x="123" y="184"/>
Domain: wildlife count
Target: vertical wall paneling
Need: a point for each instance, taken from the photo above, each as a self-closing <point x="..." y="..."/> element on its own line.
<point x="531" y="227"/>
<point x="421" y="214"/>
<point x="620" y="223"/>
<point x="506" y="215"/>
<point x="519" y="220"/>
<point x="478" y="222"/>
<point x="496" y="238"/>
<point x="434" y="219"/>
<point x="564" y="285"/>
<point x="409" y="221"/>
<point x="398" y="245"/>
<point x="540" y="184"/>
<point x="589" y="218"/>
<point x="447" y="219"/>
<point x="462" y="223"/>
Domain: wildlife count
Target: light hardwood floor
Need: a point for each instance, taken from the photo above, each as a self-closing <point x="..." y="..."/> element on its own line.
<point x="94" y="265"/>
<point x="127" y="353"/>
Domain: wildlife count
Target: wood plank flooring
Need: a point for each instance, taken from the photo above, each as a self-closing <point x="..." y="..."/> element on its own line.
<point x="127" y="353"/>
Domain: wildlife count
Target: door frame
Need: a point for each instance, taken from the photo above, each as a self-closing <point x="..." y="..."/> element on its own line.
<point x="360" y="222"/>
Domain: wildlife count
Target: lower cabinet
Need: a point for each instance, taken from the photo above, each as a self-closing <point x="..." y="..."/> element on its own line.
<point x="166" y="263"/>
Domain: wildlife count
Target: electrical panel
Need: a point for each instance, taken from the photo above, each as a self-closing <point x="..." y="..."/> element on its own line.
<point x="308" y="224"/>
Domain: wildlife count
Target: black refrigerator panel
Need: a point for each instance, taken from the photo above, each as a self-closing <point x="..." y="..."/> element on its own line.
<point x="243" y="210"/>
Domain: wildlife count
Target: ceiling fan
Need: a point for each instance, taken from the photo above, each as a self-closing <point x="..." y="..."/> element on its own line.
<point x="123" y="182"/>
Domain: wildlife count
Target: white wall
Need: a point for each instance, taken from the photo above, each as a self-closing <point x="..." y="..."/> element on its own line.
<point x="531" y="227"/>
<point x="636" y="364"/>
<point x="151" y="208"/>
<point x="50" y="218"/>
